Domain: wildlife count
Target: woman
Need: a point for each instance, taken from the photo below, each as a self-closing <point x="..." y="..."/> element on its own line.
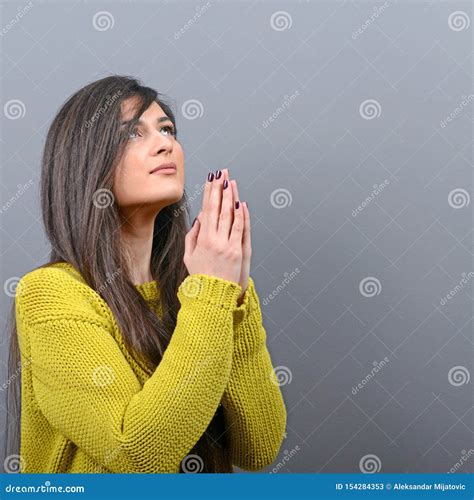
<point x="142" y="344"/>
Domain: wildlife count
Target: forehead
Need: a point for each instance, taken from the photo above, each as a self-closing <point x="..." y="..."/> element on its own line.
<point x="129" y="107"/>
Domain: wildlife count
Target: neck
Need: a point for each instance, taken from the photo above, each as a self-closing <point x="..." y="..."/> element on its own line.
<point x="137" y="237"/>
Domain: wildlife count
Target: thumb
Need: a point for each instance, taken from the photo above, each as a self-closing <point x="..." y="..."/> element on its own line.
<point x="192" y="236"/>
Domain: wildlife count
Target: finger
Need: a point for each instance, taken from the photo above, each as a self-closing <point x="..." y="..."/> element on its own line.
<point x="215" y="203"/>
<point x="225" y="174"/>
<point x="235" y="190"/>
<point x="205" y="202"/>
<point x="238" y="225"/>
<point x="209" y="183"/>
<point x="207" y="190"/>
<point x="246" y="231"/>
<point x="192" y="235"/>
<point x="227" y="177"/>
<point x="227" y="211"/>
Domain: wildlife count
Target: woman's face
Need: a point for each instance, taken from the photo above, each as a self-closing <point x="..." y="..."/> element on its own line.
<point x="151" y="144"/>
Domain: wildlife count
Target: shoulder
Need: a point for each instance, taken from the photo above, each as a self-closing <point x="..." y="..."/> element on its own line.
<point x="58" y="276"/>
<point x="56" y="291"/>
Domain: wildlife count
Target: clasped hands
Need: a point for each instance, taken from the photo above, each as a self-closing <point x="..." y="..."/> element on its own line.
<point x="219" y="241"/>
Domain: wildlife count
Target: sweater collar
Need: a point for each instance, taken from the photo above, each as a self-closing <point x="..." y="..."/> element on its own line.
<point x="149" y="289"/>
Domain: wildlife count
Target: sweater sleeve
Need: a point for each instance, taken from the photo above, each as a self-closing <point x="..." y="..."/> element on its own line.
<point x="87" y="390"/>
<point x="252" y="400"/>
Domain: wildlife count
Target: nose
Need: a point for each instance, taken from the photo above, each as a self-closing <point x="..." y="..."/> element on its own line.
<point x="161" y="144"/>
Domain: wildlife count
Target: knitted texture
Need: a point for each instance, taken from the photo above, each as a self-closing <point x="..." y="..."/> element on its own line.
<point x="88" y="406"/>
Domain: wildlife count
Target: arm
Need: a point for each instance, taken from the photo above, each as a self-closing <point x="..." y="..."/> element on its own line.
<point x="252" y="399"/>
<point x="87" y="390"/>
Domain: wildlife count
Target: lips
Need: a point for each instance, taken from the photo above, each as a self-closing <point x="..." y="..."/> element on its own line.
<point x="165" y="166"/>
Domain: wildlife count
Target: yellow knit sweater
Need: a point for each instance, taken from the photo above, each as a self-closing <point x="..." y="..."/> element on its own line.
<point x="87" y="406"/>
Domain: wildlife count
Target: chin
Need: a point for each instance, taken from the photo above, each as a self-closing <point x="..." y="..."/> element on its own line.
<point x="172" y="196"/>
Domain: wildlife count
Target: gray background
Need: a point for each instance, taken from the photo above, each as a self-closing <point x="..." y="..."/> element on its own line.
<point x="304" y="174"/>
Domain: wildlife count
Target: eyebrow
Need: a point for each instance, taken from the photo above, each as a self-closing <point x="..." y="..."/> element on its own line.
<point x="158" y="120"/>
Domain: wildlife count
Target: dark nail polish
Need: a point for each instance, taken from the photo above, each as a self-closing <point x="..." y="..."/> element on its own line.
<point x="237" y="204"/>
<point x="218" y="174"/>
<point x="194" y="221"/>
<point x="225" y="183"/>
<point x="210" y="176"/>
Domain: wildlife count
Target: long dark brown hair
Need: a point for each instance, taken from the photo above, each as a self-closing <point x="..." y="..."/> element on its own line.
<point x="81" y="152"/>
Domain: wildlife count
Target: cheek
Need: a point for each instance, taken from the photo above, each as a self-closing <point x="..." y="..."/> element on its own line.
<point x="130" y="179"/>
<point x="179" y="152"/>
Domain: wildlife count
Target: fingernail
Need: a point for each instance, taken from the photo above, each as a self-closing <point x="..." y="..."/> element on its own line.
<point x="210" y="176"/>
<point x="237" y="204"/>
<point x="195" y="218"/>
<point x="225" y="183"/>
<point x="218" y="174"/>
<point x="247" y="204"/>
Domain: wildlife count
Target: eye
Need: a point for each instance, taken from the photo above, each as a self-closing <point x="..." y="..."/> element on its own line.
<point x="134" y="131"/>
<point x="170" y="129"/>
